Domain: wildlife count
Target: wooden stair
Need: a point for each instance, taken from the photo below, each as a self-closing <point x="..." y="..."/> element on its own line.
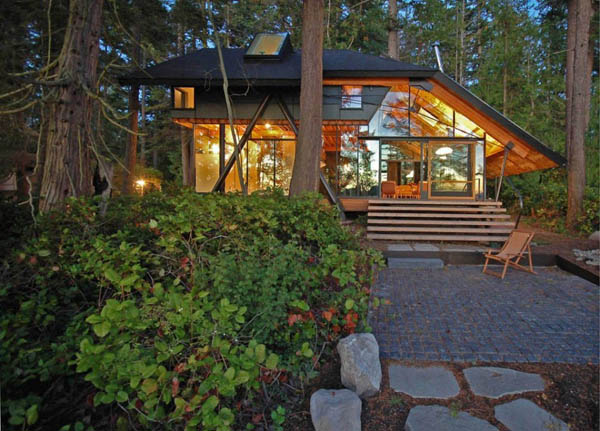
<point x="438" y="220"/>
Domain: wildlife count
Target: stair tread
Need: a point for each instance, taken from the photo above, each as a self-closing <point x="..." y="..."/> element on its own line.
<point x="376" y="221"/>
<point x="437" y="215"/>
<point x="424" y="237"/>
<point x="433" y="202"/>
<point x="483" y="230"/>
<point x="436" y="209"/>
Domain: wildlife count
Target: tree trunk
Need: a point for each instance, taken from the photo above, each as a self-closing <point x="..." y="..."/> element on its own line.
<point x="131" y="157"/>
<point x="67" y="167"/>
<point x="305" y="176"/>
<point x="505" y="72"/>
<point x="393" y="29"/>
<point x="183" y="141"/>
<point x="577" y="127"/>
<point x="571" y="24"/>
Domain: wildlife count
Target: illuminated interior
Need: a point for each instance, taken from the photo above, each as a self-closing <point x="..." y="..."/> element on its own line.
<point x="357" y="157"/>
<point x="183" y="97"/>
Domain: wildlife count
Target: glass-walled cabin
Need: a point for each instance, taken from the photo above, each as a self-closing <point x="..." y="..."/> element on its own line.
<point x="414" y="146"/>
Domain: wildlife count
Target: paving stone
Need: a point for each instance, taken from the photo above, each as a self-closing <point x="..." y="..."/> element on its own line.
<point x="550" y="317"/>
<point x="524" y="415"/>
<point x="400" y="247"/>
<point x="494" y="382"/>
<point x="415" y="263"/>
<point x="425" y="247"/>
<point x="427" y="382"/>
<point x="335" y="409"/>
<point x="439" y="418"/>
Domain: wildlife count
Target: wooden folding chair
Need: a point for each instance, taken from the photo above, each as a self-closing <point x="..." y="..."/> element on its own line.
<point x="511" y="253"/>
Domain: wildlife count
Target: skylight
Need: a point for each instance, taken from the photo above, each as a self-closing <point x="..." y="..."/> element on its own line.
<point x="268" y="45"/>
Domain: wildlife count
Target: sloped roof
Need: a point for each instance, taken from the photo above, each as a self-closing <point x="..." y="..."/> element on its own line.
<point x="200" y="67"/>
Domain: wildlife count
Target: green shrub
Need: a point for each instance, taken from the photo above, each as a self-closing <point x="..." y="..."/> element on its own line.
<point x="176" y="308"/>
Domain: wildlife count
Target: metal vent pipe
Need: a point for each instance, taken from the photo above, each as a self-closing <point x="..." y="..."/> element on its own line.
<point x="438" y="56"/>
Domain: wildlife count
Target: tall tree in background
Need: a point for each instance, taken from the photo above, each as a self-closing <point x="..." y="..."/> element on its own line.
<point x="305" y="176"/>
<point x="393" y="29"/>
<point x="578" y="99"/>
<point x="67" y="168"/>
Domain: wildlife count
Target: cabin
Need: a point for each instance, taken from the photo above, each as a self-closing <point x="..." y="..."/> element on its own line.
<point x="406" y="144"/>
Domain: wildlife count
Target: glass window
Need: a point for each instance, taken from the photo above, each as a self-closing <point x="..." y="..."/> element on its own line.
<point x="391" y="119"/>
<point x="465" y="128"/>
<point x="266" y="44"/>
<point x="451" y="169"/>
<point x="267" y="160"/>
<point x="368" y="168"/>
<point x="183" y="97"/>
<point x="429" y="116"/>
<point x="348" y="161"/>
<point x="351" y="97"/>
<point x="206" y="156"/>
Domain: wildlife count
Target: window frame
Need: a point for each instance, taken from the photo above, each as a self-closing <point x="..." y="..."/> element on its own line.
<point x="174" y="89"/>
<point x="351" y="98"/>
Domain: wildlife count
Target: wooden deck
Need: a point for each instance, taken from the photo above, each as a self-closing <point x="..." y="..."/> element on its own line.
<point x="437" y="220"/>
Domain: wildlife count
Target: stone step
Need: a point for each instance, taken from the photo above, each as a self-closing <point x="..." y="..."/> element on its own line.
<point x="415" y="263"/>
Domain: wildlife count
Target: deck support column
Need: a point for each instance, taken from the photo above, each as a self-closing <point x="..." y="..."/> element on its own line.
<point x="507" y="148"/>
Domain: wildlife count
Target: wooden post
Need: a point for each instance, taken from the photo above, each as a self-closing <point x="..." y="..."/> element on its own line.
<point x="507" y="148"/>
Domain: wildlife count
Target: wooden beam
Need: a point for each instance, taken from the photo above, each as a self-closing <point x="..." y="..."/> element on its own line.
<point x="380" y="82"/>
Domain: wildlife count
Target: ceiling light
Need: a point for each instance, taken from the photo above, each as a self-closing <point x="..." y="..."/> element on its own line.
<point x="443" y="151"/>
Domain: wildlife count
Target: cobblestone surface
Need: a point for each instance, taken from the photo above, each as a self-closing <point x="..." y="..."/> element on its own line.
<point x="459" y="314"/>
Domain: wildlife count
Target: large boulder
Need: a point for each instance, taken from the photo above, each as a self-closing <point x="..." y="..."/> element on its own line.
<point x="595" y="236"/>
<point x="335" y="410"/>
<point x="361" y="369"/>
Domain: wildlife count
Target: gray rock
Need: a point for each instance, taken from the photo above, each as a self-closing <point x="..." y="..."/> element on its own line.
<point x="361" y="369"/>
<point x="494" y="382"/>
<point x="335" y="410"/>
<point x="438" y="418"/>
<point x="523" y="415"/>
<point x="595" y="236"/>
<point x="429" y="382"/>
<point x="415" y="263"/>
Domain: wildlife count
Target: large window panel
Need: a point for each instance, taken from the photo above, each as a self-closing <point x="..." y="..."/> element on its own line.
<point x="368" y="168"/>
<point x="391" y="119"/>
<point x="206" y="156"/>
<point x="451" y="168"/>
<point x="285" y="153"/>
<point x="429" y="116"/>
<point x="348" y="162"/>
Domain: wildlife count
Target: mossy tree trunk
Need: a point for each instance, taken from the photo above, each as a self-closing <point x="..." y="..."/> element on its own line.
<point x="305" y="176"/>
<point x="67" y="167"/>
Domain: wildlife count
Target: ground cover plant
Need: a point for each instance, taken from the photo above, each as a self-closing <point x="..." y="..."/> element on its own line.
<point x="176" y="311"/>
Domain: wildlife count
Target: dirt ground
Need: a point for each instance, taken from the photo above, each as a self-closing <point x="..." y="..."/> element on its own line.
<point x="571" y="395"/>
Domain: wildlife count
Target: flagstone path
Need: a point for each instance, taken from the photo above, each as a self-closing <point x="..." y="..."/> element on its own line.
<point x="438" y="382"/>
<point x="460" y="314"/>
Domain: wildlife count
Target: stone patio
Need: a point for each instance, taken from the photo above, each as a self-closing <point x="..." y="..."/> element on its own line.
<point x="460" y="314"/>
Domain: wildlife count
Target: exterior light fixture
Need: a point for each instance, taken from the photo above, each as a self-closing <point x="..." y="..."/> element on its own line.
<point x="267" y="126"/>
<point x="443" y="151"/>
<point x="141" y="183"/>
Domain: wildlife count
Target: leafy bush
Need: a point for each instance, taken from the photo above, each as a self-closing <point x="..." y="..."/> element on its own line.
<point x="182" y="310"/>
<point x="545" y="197"/>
